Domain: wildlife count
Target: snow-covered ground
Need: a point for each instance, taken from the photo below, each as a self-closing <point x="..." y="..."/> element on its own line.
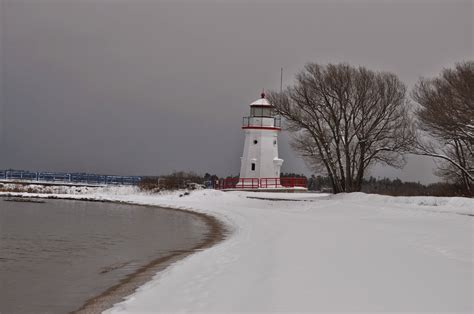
<point x="316" y="252"/>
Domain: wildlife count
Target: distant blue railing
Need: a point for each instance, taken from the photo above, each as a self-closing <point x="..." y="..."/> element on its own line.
<point x="85" y="178"/>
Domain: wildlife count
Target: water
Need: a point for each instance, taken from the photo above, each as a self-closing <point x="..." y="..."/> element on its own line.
<point x="56" y="255"/>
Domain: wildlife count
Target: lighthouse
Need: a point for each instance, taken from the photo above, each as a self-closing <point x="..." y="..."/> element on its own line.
<point x="260" y="157"/>
<point x="260" y="165"/>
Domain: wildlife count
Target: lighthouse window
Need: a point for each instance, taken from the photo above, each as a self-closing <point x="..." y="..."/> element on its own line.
<point x="255" y="142"/>
<point x="256" y="111"/>
<point x="274" y="142"/>
<point x="261" y="112"/>
<point x="266" y="112"/>
<point x="253" y="166"/>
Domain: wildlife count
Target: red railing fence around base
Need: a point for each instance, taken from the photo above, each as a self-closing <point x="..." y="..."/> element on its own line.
<point x="259" y="183"/>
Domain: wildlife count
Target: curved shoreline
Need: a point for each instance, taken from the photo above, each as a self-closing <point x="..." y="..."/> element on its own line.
<point x="128" y="285"/>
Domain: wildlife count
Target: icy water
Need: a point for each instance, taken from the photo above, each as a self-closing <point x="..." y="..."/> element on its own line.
<point x="56" y="255"/>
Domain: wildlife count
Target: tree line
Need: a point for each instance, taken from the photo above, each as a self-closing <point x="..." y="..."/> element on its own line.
<point x="386" y="186"/>
<point x="346" y="119"/>
<point x="393" y="187"/>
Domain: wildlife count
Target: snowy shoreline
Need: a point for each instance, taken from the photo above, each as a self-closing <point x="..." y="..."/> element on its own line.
<point x="347" y="252"/>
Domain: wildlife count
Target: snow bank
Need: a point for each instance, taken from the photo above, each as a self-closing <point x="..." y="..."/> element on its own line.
<point x="461" y="205"/>
<point x="316" y="253"/>
<point x="69" y="189"/>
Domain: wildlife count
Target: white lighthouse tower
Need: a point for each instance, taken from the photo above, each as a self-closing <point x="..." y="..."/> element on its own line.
<point x="260" y="157"/>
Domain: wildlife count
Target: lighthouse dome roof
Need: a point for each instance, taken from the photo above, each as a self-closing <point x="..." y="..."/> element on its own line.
<point x="261" y="102"/>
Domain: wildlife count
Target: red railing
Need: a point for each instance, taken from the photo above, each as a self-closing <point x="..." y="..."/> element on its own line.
<point x="255" y="183"/>
<point x="294" y="182"/>
<point x="236" y="183"/>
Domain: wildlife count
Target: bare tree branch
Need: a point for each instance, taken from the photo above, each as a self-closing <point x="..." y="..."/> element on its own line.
<point x="345" y="119"/>
<point x="446" y="116"/>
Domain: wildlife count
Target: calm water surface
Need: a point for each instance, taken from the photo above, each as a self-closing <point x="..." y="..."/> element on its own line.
<point x="56" y="255"/>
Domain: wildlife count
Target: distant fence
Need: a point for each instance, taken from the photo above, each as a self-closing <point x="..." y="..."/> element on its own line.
<point x="84" y="178"/>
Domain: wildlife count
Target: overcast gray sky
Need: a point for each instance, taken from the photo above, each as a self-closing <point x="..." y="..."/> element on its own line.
<point x="147" y="87"/>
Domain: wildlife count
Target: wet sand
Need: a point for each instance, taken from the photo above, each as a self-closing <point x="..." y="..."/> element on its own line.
<point x="117" y="293"/>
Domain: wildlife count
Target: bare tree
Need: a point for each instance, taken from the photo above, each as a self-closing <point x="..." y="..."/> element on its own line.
<point x="346" y="119"/>
<point x="446" y="121"/>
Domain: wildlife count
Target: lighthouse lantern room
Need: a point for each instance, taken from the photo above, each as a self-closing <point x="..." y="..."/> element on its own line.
<point x="260" y="156"/>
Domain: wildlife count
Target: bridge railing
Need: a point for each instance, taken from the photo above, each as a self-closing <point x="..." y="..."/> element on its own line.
<point x="84" y="178"/>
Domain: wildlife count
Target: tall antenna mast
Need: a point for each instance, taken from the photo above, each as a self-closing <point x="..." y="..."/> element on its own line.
<point x="281" y="81"/>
